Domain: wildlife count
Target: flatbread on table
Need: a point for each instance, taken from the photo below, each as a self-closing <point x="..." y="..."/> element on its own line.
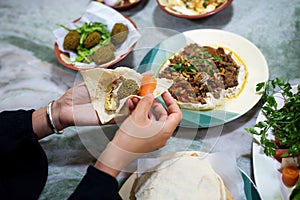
<point x="184" y="177"/>
<point x="98" y="79"/>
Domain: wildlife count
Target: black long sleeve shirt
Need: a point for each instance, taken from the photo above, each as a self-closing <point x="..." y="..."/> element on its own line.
<point x="24" y="168"/>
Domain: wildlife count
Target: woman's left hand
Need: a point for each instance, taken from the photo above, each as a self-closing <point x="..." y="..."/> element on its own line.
<point x="75" y="108"/>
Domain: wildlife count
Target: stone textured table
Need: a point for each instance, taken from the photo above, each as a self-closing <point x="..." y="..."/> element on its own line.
<point x="30" y="75"/>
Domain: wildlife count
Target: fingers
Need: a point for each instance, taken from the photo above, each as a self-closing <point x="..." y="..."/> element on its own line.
<point x="79" y="94"/>
<point x="143" y="107"/>
<point x="171" y="103"/>
<point x="130" y="104"/>
<point x="160" y="111"/>
<point x="175" y="114"/>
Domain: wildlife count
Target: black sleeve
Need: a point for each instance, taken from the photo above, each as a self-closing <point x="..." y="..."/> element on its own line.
<point x="24" y="168"/>
<point x="96" y="185"/>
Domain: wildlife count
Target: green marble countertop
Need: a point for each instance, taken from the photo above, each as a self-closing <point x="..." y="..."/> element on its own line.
<point x="30" y="75"/>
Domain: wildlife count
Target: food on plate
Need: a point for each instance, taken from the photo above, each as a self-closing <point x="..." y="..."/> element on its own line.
<point x="85" y="30"/>
<point x="148" y="85"/>
<point x="194" y="7"/>
<point x="203" y="76"/>
<point x="92" y="39"/>
<point x="92" y="42"/>
<point x="119" y="33"/>
<point x="72" y="40"/>
<point x="183" y="177"/>
<point x="104" y="54"/>
<point x="279" y="131"/>
<point x="110" y="88"/>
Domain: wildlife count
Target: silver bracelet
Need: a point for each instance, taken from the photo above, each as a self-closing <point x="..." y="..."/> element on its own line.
<point x="50" y="120"/>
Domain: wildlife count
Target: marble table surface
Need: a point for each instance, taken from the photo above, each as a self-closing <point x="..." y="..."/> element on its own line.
<point x="30" y="75"/>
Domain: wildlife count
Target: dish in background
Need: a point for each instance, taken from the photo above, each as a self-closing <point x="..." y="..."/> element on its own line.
<point x="266" y="168"/>
<point x="163" y="4"/>
<point x="125" y="5"/>
<point x="250" y="55"/>
<point x="63" y="57"/>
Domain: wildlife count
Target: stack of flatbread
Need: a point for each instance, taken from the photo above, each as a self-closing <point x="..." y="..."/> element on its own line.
<point x="184" y="177"/>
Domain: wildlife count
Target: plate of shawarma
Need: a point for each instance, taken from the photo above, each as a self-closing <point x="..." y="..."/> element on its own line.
<point x="215" y="73"/>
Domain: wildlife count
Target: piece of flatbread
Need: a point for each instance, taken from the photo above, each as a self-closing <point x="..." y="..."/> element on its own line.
<point x="97" y="80"/>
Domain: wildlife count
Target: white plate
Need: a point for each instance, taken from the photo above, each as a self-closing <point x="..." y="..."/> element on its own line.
<point x="266" y="174"/>
<point x="244" y="50"/>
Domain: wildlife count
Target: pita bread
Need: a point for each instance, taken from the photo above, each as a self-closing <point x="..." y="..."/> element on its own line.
<point x="97" y="81"/>
<point x="185" y="177"/>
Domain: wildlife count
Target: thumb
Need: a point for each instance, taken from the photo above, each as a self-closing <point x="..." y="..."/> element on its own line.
<point x="143" y="107"/>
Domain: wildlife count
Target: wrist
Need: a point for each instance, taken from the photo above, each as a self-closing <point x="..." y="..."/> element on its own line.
<point x="53" y="116"/>
<point x="106" y="169"/>
<point x="40" y="123"/>
<point x="115" y="159"/>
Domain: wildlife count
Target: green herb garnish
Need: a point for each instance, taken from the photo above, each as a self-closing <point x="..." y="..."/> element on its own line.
<point x="185" y="67"/>
<point x="204" y="4"/>
<point x="218" y="58"/>
<point x="284" y="122"/>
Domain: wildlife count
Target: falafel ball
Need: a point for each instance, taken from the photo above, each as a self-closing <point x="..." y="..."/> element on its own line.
<point x="71" y="40"/>
<point x="104" y="54"/>
<point x="128" y="87"/>
<point x="111" y="46"/>
<point x="119" y="33"/>
<point x="92" y="39"/>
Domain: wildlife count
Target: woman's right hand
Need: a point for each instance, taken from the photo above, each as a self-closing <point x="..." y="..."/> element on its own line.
<point x="148" y="128"/>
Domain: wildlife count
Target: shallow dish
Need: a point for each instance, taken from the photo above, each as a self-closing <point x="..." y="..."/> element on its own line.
<point x="97" y="12"/>
<point x="163" y="5"/>
<point x="247" y="52"/>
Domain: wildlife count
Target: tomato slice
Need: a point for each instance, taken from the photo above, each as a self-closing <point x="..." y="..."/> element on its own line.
<point x="278" y="154"/>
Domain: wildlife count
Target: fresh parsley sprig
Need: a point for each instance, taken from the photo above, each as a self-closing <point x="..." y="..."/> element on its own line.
<point x="186" y="67"/>
<point x="284" y="122"/>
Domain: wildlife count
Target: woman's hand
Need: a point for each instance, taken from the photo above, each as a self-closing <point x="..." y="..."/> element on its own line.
<point x="142" y="132"/>
<point x="75" y="108"/>
<point x="149" y="126"/>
